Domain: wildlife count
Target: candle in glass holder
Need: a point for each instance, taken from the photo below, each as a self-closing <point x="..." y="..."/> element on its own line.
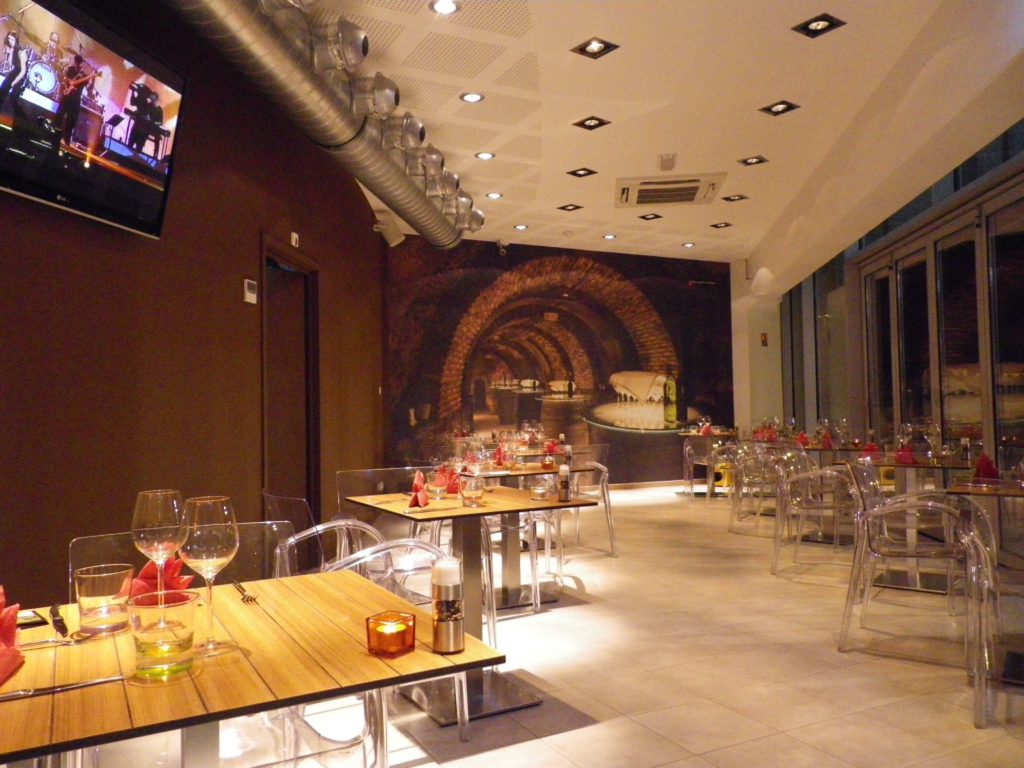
<point x="390" y="633"/>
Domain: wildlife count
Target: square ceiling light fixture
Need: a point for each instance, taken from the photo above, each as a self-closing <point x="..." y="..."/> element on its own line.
<point x="753" y="160"/>
<point x="650" y="216"/>
<point x="721" y="225"/>
<point x="569" y="207"/>
<point x="734" y="198"/>
<point x="594" y="48"/>
<point x="591" y="123"/>
<point x="579" y="173"/>
<point x="819" y="25"/>
<point x="779" y="108"/>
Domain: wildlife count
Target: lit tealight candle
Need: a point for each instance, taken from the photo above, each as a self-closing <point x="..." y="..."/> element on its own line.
<point x="390" y="633"/>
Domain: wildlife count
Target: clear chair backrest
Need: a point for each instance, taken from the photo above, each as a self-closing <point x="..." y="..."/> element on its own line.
<point x="401" y="566"/>
<point x="334" y="541"/>
<point x="257" y="543"/>
<point x="869" y="487"/>
<point x="297" y="511"/>
<point x="894" y="529"/>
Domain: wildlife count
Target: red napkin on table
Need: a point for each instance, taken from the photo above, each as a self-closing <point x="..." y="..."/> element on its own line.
<point x="905" y="455"/>
<point x="145" y="582"/>
<point x="11" y="658"/>
<point x="453" y="481"/>
<point x="869" y="451"/>
<point x="803" y="439"/>
<point x="986" y="468"/>
<point x="420" y="497"/>
<point x="826" y="440"/>
<point x="705" y="431"/>
<point x="549" y="446"/>
<point x="499" y="456"/>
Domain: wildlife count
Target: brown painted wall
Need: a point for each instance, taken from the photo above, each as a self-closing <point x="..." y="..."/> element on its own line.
<point x="127" y="363"/>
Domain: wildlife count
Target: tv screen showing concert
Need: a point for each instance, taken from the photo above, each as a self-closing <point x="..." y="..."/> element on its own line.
<point x="87" y="121"/>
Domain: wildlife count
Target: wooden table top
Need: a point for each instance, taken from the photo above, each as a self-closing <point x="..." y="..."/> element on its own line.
<point x="497" y="501"/>
<point x="1010" y="489"/>
<point x="303" y="640"/>
<point x="532" y="468"/>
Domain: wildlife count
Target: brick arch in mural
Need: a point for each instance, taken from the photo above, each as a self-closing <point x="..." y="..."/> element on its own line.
<point x="599" y="284"/>
<point x="566" y="344"/>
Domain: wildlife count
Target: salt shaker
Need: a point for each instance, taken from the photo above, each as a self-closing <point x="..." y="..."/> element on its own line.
<point x="446" y="594"/>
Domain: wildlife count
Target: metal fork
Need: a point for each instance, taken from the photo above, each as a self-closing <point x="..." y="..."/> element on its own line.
<point x="246" y="597"/>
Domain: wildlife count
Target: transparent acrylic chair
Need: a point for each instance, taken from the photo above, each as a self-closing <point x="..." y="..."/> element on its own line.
<point x="697" y="451"/>
<point x="957" y="535"/>
<point x="367" y="482"/>
<point x="403" y="567"/>
<point x="826" y="496"/>
<point x="755" y="479"/>
<point x="315" y="549"/>
<point x="593" y="484"/>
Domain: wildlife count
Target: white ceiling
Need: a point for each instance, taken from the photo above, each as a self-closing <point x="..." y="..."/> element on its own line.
<point x="891" y="101"/>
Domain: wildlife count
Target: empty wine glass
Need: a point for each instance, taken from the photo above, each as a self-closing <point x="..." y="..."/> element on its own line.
<point x="211" y="543"/>
<point x="158" y="528"/>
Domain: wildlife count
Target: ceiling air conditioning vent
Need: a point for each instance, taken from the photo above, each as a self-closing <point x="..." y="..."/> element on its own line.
<point x="663" y="190"/>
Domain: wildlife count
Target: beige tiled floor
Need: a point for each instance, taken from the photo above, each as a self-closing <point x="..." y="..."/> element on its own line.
<point x="685" y="653"/>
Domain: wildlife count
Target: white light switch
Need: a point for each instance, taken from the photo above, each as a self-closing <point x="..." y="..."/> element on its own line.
<point x="249" y="291"/>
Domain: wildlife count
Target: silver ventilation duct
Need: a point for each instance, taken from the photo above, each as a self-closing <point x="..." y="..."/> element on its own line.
<point x="276" y="58"/>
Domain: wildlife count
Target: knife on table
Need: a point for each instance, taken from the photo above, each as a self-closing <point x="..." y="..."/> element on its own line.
<point x="24" y="693"/>
<point x="58" y="621"/>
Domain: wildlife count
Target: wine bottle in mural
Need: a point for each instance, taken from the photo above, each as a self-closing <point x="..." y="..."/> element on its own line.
<point x="570" y="385"/>
<point x="669" y="400"/>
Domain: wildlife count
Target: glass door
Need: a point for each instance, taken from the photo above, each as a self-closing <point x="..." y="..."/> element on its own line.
<point x="879" y="310"/>
<point x="913" y="344"/>
<point x="1006" y="265"/>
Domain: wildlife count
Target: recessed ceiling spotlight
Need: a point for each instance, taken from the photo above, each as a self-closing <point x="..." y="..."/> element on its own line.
<point x="494" y="195"/>
<point x="688" y="245"/>
<point x="734" y="198"/>
<point x="472" y="97"/>
<point x="650" y="216"/>
<point x="581" y="172"/>
<point x="819" y="25"/>
<point x="444" y="7"/>
<point x="755" y="160"/>
<point x="521" y="227"/>
<point x="485" y="155"/>
<point x="569" y="207"/>
<point x="591" y="123"/>
<point x="779" y="108"/>
<point x="721" y="225"/>
<point x="609" y="236"/>
<point x="594" y="48"/>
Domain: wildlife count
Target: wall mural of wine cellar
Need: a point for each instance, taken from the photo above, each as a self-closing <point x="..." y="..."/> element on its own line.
<point x="483" y="338"/>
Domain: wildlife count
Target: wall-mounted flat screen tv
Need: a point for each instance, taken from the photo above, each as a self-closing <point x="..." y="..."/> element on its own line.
<point x="87" y="121"/>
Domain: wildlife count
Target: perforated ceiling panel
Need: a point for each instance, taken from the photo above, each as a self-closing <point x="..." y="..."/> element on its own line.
<point x="381" y="33"/>
<point x="424" y="95"/>
<point x="451" y="55"/>
<point x="524" y="74"/>
<point x="505" y="17"/>
<point x="453" y="134"/>
<point x="401" y="6"/>
<point x="503" y="169"/>
<point x="528" y="147"/>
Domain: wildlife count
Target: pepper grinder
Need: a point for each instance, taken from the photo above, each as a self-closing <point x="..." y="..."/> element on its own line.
<point x="446" y="593"/>
<point x="564" y="492"/>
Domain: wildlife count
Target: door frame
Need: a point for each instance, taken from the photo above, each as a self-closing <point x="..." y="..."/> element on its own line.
<point x="272" y="248"/>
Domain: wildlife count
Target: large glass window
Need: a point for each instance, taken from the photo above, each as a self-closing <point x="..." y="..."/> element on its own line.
<point x="1006" y="259"/>
<point x="877" y="289"/>
<point x="915" y="370"/>
<point x="832" y="364"/>
<point x="958" y="335"/>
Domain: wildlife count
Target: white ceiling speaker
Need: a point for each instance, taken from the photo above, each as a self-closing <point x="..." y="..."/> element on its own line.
<point x="377" y="96"/>
<point x="339" y="45"/>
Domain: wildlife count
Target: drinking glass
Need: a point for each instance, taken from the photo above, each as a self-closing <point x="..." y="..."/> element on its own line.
<point x="158" y="528"/>
<point x="906" y="433"/>
<point x="211" y="543"/>
<point x="437" y="483"/>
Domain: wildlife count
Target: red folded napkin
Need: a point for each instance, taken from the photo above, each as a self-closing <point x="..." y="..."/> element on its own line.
<point x="869" y="451"/>
<point x="986" y="468"/>
<point x="550" y="446"/>
<point x="826" y="440"/>
<point x="420" y="497"/>
<point x="803" y="439"/>
<point x="905" y="455"/>
<point x="705" y="431"/>
<point x="453" y="481"/>
<point x="145" y="582"/>
<point x="11" y="658"/>
<point x="499" y="456"/>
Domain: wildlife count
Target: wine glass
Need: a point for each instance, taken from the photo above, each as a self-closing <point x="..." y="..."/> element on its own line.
<point x="211" y="543"/>
<point x="158" y="528"/>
